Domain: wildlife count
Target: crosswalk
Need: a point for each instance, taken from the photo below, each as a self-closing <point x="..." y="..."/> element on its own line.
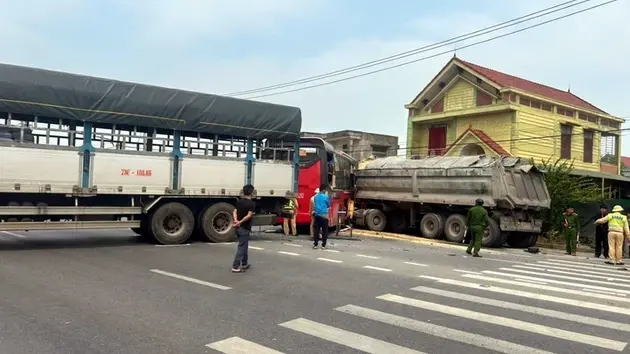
<point x="553" y="305"/>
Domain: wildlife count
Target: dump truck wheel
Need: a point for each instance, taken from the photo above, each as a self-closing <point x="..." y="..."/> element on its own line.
<point x="492" y="234"/>
<point x="398" y="222"/>
<point x="172" y="223"/>
<point x="431" y="225"/>
<point x="375" y="220"/>
<point x="216" y="223"/>
<point x="455" y="228"/>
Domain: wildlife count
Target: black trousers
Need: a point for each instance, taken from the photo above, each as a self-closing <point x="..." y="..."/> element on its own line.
<point x="321" y="226"/>
<point x="601" y="242"/>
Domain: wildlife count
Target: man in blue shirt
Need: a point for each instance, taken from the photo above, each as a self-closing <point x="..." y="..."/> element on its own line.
<point x="321" y="208"/>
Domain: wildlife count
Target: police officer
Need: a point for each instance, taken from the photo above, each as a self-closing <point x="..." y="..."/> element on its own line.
<point x="617" y="227"/>
<point x="571" y="224"/>
<point x="477" y="221"/>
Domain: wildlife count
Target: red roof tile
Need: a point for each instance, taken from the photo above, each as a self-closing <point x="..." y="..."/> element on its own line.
<point x="625" y="160"/>
<point x="505" y="80"/>
<point x="484" y="138"/>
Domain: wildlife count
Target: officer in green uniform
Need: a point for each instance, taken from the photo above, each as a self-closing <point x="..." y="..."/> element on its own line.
<point x="477" y="221"/>
<point x="571" y="224"/>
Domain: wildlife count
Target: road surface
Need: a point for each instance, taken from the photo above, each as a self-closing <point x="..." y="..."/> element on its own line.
<point x="103" y="292"/>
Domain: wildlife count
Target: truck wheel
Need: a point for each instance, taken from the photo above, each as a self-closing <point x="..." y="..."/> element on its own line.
<point x="492" y="234"/>
<point x="398" y="222"/>
<point x="431" y="225"/>
<point x="216" y="223"/>
<point x="522" y="240"/>
<point x="455" y="228"/>
<point x="172" y="223"/>
<point x="376" y="220"/>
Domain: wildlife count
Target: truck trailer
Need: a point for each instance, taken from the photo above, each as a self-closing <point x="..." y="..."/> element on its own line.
<point x="433" y="195"/>
<point x="80" y="152"/>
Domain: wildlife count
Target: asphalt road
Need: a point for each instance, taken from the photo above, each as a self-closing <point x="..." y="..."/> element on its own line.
<point x="103" y="292"/>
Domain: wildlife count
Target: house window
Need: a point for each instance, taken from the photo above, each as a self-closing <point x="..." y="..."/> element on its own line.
<point x="437" y="140"/>
<point x="513" y="97"/>
<point x="545" y="107"/>
<point x="525" y="101"/>
<point x="344" y="147"/>
<point x="379" y="151"/>
<point x="565" y="112"/>
<point x="566" y="132"/>
<point x="483" y="99"/>
<point x="588" y="146"/>
<point x="610" y="123"/>
<point x="438" y="107"/>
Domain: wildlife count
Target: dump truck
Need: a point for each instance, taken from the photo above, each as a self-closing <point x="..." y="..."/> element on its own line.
<point x="433" y="195"/>
<point x="81" y="152"/>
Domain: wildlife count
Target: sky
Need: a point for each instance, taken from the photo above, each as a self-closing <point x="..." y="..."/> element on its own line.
<point x="223" y="47"/>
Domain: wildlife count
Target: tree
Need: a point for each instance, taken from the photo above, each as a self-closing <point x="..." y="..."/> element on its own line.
<point x="565" y="189"/>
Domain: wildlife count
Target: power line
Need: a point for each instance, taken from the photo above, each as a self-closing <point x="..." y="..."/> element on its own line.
<point x="435" y="55"/>
<point x="419" y="50"/>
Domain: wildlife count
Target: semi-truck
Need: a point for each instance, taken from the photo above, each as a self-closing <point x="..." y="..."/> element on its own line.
<point x="80" y="152"/>
<point x="433" y="195"/>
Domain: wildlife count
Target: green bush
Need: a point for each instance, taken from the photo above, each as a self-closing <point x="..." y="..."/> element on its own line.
<point x="565" y="189"/>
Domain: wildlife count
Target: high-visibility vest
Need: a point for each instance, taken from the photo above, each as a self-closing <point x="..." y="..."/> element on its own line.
<point x="289" y="207"/>
<point x="617" y="221"/>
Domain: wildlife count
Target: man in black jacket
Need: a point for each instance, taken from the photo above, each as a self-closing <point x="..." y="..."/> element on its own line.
<point x="601" y="233"/>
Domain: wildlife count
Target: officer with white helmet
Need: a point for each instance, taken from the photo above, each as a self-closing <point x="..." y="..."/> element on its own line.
<point x="617" y="228"/>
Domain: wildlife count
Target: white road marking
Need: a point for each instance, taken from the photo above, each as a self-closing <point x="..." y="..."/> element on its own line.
<point x="583" y="269"/>
<point x="546" y="274"/>
<point x="552" y="281"/>
<point x="289" y="253"/>
<point x="544" y="269"/>
<point x="370" y="257"/>
<point x="256" y="248"/>
<point x="333" y="251"/>
<point x="179" y="245"/>
<point x="542" y="287"/>
<point x="267" y="241"/>
<point x="508" y="322"/>
<point x="236" y="345"/>
<point x="292" y="245"/>
<point x="465" y="271"/>
<point x="13" y="234"/>
<point x="330" y="260"/>
<point x="603" y="292"/>
<point x="524" y="308"/>
<point x="349" y="339"/>
<point x="377" y="268"/>
<point x="477" y="340"/>
<point x="584" y="264"/>
<point x="530" y="281"/>
<point x="417" y="264"/>
<point x="192" y="280"/>
<point x="502" y="260"/>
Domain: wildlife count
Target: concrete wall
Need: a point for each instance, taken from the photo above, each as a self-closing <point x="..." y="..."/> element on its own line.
<point x="360" y="145"/>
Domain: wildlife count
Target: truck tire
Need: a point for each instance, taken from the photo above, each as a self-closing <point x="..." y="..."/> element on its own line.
<point x="172" y="224"/>
<point x="492" y="234"/>
<point x="455" y="228"/>
<point x="216" y="223"/>
<point x="398" y="222"/>
<point x="522" y="240"/>
<point x="431" y="225"/>
<point x="375" y="220"/>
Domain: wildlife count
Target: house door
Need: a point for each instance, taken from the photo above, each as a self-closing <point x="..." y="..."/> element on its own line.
<point x="437" y="140"/>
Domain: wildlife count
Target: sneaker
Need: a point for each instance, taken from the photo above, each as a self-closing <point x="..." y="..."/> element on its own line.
<point x="620" y="263"/>
<point x="237" y="270"/>
<point x="477" y="255"/>
<point x="324" y="247"/>
<point x="315" y="247"/>
<point x="245" y="266"/>
<point x="468" y="251"/>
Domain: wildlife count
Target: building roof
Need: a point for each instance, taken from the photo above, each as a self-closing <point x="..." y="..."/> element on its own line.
<point x="625" y="160"/>
<point x="484" y="138"/>
<point x="506" y="81"/>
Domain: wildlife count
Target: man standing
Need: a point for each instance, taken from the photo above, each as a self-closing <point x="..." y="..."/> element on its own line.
<point x="601" y="233"/>
<point x="242" y="214"/>
<point x="311" y="211"/>
<point x="477" y="221"/>
<point x="571" y="225"/>
<point x="322" y="206"/>
<point x="289" y="213"/>
<point x="617" y="228"/>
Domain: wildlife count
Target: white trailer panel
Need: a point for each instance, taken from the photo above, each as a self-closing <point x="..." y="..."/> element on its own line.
<point x="273" y="178"/>
<point x="199" y="175"/>
<point x="38" y="170"/>
<point x="131" y="174"/>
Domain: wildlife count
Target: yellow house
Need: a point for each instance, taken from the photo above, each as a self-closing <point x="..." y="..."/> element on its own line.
<point x="468" y="109"/>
